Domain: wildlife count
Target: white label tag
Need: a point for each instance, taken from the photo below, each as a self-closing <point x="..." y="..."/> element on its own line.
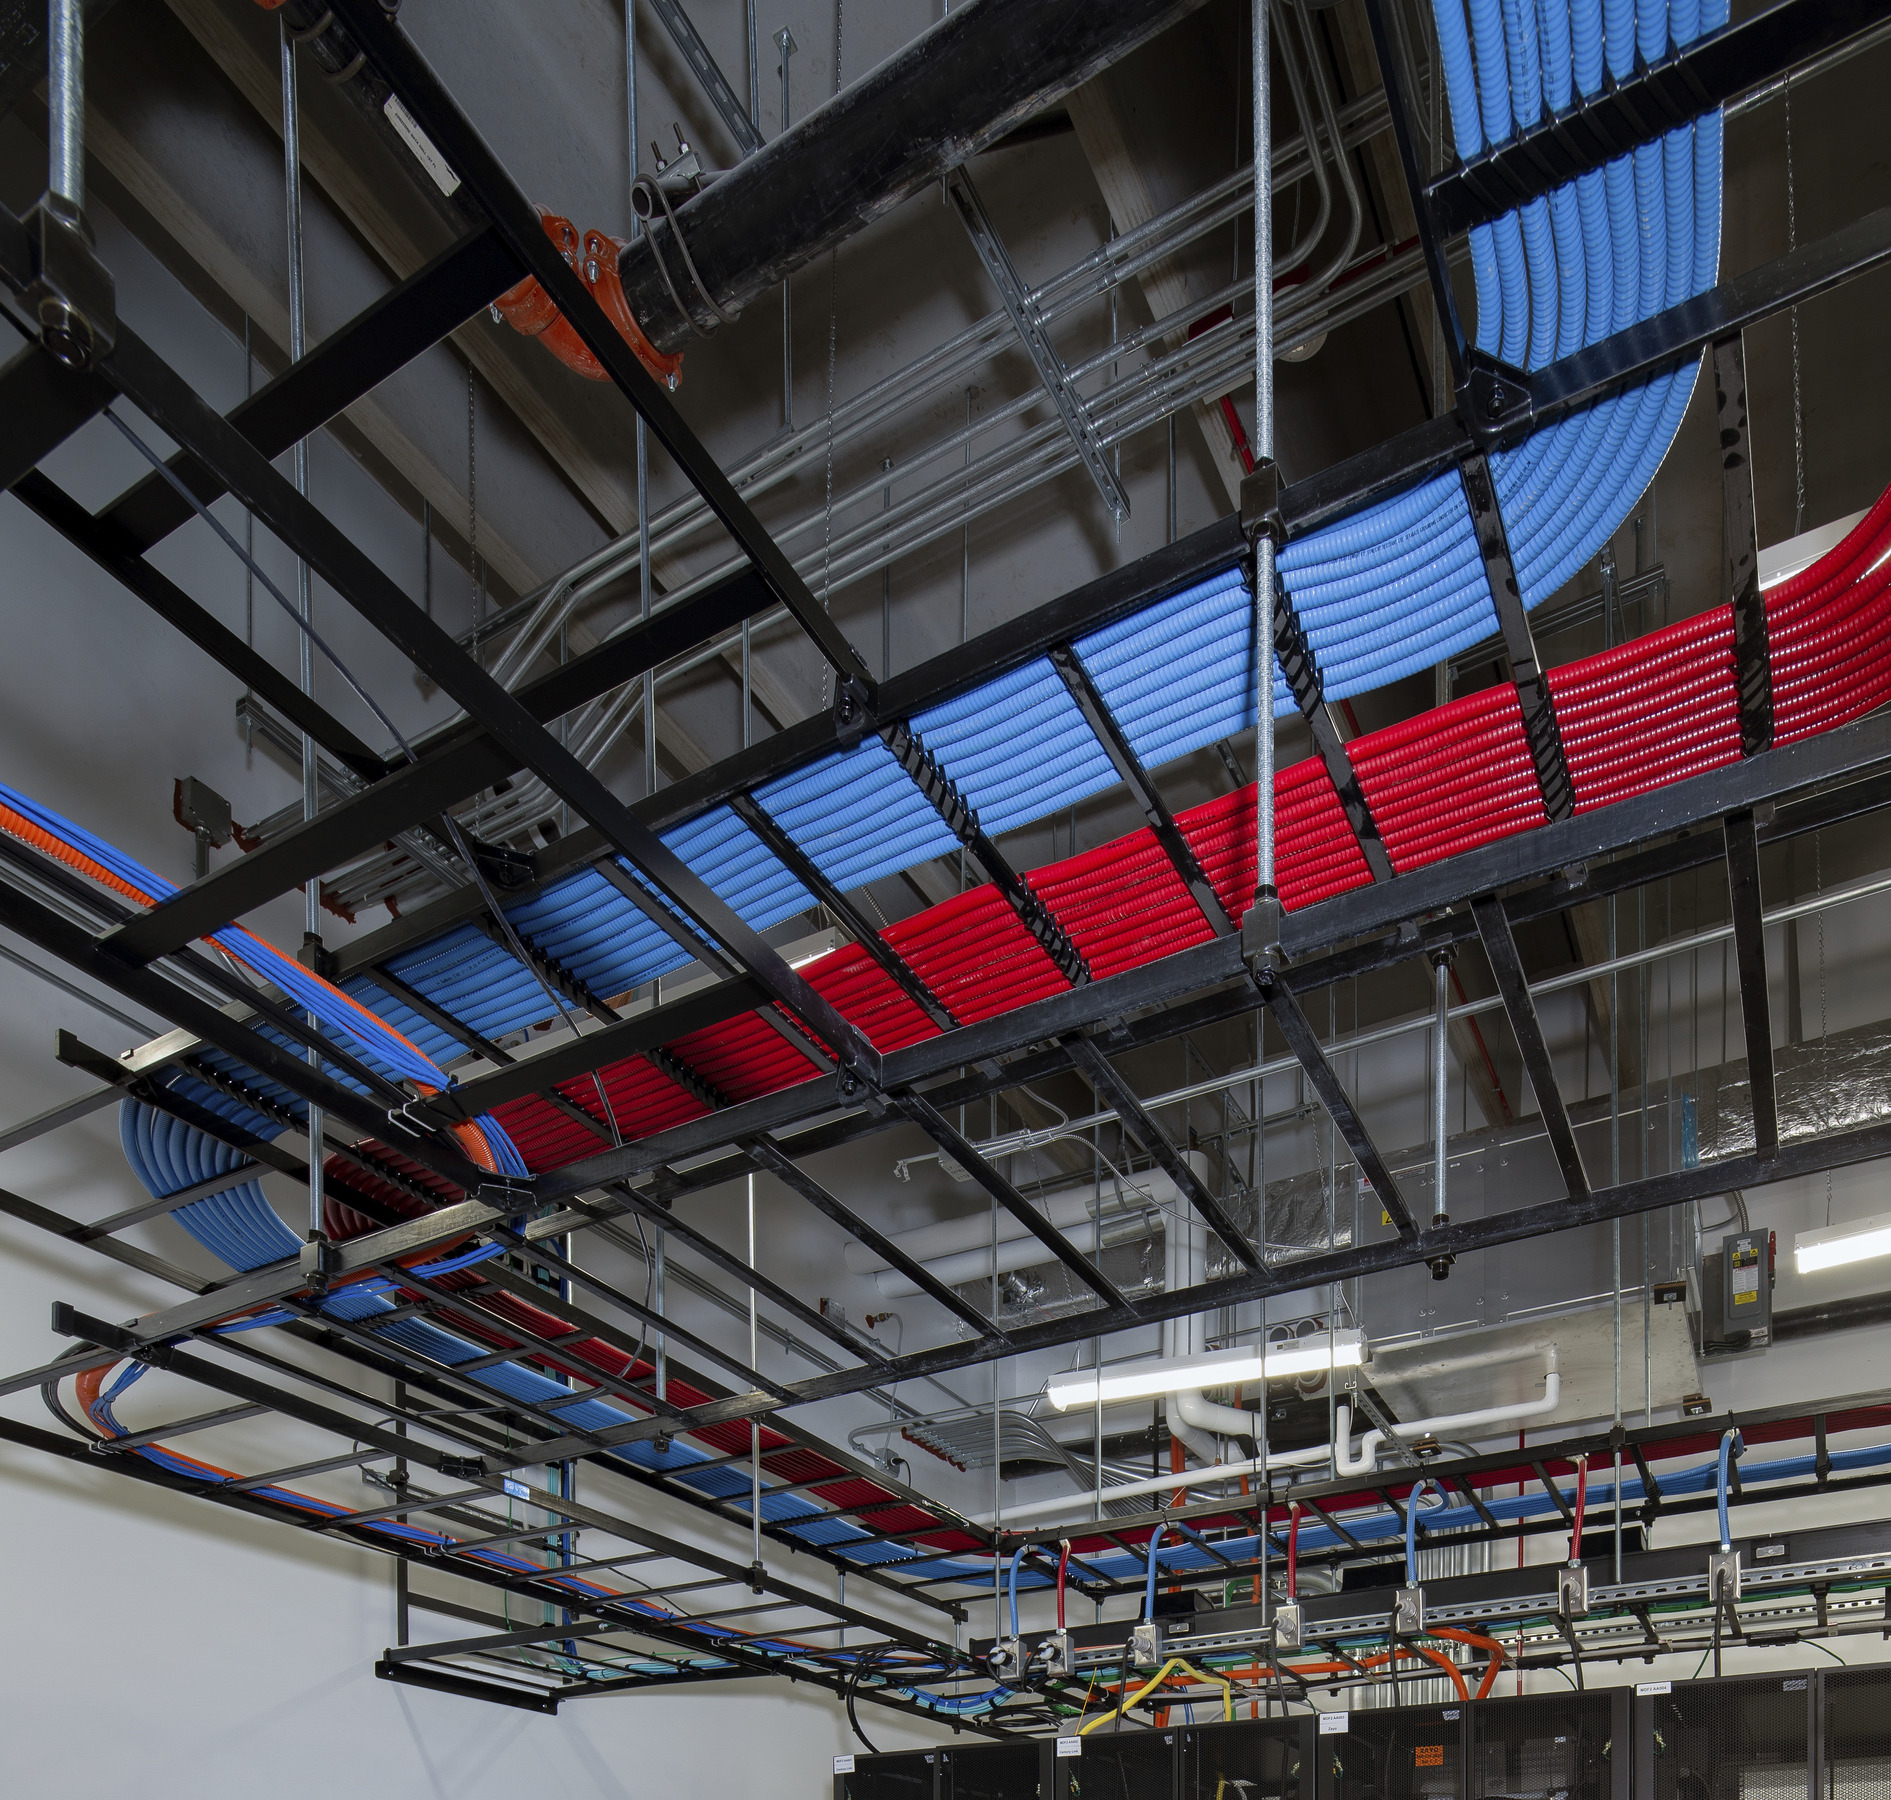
<point x="843" y="1765"/>
<point x="1654" y="1687"/>
<point x="1070" y="1746"/>
<point x="517" y="1489"/>
<point x="1451" y="1713"/>
<point x="1333" y="1723"/>
<point x="416" y="140"/>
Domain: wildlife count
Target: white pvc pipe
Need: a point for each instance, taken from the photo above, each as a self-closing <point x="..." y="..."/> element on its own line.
<point x="1189" y="1407"/>
<point x="1346" y="1463"/>
<point x="1195" y="1413"/>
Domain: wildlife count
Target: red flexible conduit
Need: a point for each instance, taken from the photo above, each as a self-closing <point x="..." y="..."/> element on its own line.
<point x="1636" y="717"/>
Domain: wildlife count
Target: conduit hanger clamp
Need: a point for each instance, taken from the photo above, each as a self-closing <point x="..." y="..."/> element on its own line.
<point x="1260" y="503"/>
<point x="72" y="292"/>
<point x="853" y="711"/>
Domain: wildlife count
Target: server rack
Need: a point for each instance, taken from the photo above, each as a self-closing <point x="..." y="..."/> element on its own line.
<point x="1551" y="1747"/>
<point x="1748" y="1737"/>
<point x="1795" y="1735"/>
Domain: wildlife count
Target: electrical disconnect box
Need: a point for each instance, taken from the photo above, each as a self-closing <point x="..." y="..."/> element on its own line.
<point x="1747" y="1264"/>
<point x="1732" y="1298"/>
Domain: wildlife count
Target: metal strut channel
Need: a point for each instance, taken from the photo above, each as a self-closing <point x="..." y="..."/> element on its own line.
<point x="1431" y="235"/>
<point x="1115" y="741"/>
<point x="967" y="1155"/>
<point x="452" y="766"/>
<point x="709" y="75"/>
<point x="1533" y="692"/>
<point x="1634" y="354"/>
<point x="1753" y="674"/>
<point x="1035" y="338"/>
<point x="1295" y="655"/>
<point x="349" y="362"/>
<point x="1749" y="940"/>
<point x="117" y="553"/>
<point x="961" y="820"/>
<point x="791" y="1175"/>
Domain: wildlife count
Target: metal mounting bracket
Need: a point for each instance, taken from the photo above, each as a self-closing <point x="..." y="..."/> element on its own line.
<point x="1496" y="400"/>
<point x="72" y="294"/>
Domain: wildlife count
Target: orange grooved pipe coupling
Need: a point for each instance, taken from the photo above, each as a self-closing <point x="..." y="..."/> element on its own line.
<point x="529" y="310"/>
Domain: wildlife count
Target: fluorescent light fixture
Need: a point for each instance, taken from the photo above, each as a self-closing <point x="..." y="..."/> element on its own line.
<point x="1214" y="1368"/>
<point x="1832" y="1246"/>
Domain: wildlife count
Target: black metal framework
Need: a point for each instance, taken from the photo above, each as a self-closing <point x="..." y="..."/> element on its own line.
<point x="1526" y="670"/>
<point x="1771" y="796"/>
<point x="1753" y="674"/>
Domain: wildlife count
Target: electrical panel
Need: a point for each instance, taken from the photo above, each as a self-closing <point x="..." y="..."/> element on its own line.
<point x="1730" y="1298"/>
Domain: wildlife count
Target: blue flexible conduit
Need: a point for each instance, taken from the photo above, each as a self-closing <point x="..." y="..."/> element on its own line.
<point x="1411" y="1527"/>
<point x="1732" y="1444"/>
<point x="1149" y="1584"/>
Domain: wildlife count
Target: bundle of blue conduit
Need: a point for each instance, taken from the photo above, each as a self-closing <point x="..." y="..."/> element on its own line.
<point x="1400" y="587"/>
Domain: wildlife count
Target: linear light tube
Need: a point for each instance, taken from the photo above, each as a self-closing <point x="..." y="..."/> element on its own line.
<point x="1832" y="1246"/>
<point x="1215" y="1368"/>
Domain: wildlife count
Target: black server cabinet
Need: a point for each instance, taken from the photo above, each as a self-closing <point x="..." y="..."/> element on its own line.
<point x="1391" y="1753"/>
<point x="896" y="1775"/>
<point x="1741" y="1738"/>
<point x="1019" y="1770"/>
<point x="1570" y="1746"/>
<point x="1121" y="1763"/>
<point x="1854" y="1735"/>
<point x="1249" y="1759"/>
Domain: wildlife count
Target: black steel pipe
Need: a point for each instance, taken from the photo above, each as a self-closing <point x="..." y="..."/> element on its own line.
<point x="953" y="91"/>
<point x="1832" y="1315"/>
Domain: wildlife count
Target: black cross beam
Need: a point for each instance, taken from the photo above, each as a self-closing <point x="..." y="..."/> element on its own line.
<point x="1500" y="947"/>
<point x="1749" y="941"/>
<point x="1753" y="674"/>
<point x="1533" y="691"/>
<point x="1284" y="1007"/>
<point x="1123" y="1100"/>
<point x="1122" y="754"/>
<point x="1309" y="692"/>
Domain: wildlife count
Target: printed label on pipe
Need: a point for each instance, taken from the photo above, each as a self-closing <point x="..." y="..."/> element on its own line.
<point x="416" y="140"/>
